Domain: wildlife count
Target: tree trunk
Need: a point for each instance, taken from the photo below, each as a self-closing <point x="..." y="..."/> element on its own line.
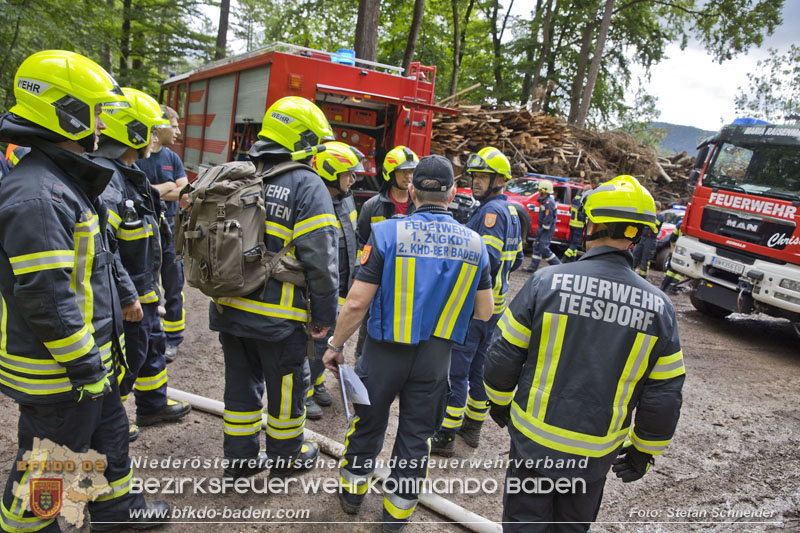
<point x="222" y="32"/>
<point x="594" y="69"/>
<point x="456" y="49"/>
<point x="580" y="72"/>
<point x="107" y="60"/>
<point x="125" y="43"/>
<point x="526" y="79"/>
<point x="366" y="41"/>
<point x="497" y="46"/>
<point x="413" y="33"/>
<point x="545" y="52"/>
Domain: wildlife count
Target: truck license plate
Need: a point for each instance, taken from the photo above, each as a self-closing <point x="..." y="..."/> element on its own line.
<point x="725" y="264"/>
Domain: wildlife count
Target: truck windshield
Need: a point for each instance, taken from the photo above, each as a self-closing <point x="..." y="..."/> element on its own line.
<point x="767" y="171"/>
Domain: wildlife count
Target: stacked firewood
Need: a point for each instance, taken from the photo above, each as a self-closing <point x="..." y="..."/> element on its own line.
<point x="543" y="144"/>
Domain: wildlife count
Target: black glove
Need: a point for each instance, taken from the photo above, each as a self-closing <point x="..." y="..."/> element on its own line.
<point x="501" y="414"/>
<point x="631" y="464"/>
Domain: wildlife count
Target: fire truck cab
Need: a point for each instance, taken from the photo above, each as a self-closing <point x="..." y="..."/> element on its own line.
<point x="371" y="106"/>
<point x="741" y="242"/>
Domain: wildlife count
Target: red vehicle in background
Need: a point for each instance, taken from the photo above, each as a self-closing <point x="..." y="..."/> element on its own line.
<point x="523" y="193"/>
<point x="672" y="217"/>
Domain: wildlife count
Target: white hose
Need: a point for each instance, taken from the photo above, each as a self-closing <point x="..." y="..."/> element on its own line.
<point x="434" y="502"/>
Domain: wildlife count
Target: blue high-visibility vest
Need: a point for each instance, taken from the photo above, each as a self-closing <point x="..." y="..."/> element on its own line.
<point x="432" y="266"/>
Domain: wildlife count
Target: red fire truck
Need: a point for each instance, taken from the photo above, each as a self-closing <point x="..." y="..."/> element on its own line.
<point x="741" y="243"/>
<point x="369" y="105"/>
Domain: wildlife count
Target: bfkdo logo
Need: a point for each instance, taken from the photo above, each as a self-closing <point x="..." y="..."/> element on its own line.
<point x="46" y="497"/>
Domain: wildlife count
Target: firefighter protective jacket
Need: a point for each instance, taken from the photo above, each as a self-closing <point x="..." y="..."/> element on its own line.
<point x="580" y="348"/>
<point x="346" y="215"/>
<point x="498" y="225"/>
<point x="299" y="209"/>
<point x="138" y="245"/>
<point x="378" y="208"/>
<point x="60" y="324"/>
<point x="547" y="216"/>
<point x="577" y="218"/>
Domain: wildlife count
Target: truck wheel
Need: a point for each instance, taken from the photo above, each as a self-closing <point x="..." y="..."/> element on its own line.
<point x="661" y="262"/>
<point x="708" y="308"/>
<point x="524" y="223"/>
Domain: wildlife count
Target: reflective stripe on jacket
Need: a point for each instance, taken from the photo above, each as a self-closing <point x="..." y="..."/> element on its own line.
<point x="579" y="349"/>
<point x="59" y="313"/>
<point x="432" y="266"/>
<point x="498" y="225"/>
<point x="299" y="209"/>
<point x="577" y="219"/>
<point x="547" y="216"/>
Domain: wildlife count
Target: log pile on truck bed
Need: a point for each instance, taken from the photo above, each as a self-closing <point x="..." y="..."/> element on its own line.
<point x="543" y="144"/>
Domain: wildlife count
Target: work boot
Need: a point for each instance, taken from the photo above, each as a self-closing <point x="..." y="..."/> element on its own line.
<point x="246" y="467"/>
<point x="313" y="411"/>
<point x="351" y="503"/>
<point x="154" y="514"/>
<point x="321" y="395"/>
<point x="444" y="443"/>
<point x="305" y="460"/>
<point x="393" y="527"/>
<point x="171" y="353"/>
<point x="133" y="432"/>
<point x="531" y="268"/>
<point x="169" y="413"/>
<point x="470" y="431"/>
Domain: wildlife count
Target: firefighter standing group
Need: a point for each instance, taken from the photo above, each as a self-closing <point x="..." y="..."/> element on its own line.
<point x="83" y="243"/>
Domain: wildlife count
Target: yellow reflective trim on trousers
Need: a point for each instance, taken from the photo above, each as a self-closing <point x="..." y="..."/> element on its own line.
<point x="514" y="332"/>
<point x="479" y="416"/>
<point x="653" y="447"/>
<point x="119" y="487"/>
<point x="447" y="320"/>
<point x="151" y="382"/>
<point x="375" y="220"/>
<point x="669" y="366"/>
<point x="265" y="309"/>
<point x="149" y="298"/>
<point x="351" y="488"/>
<point x="17" y="508"/>
<point x="492" y="241"/>
<point x="550" y="343"/>
<point x="18" y="524"/>
<point x="320" y="380"/>
<point x="633" y="371"/>
<point x="498" y="397"/>
<point x="177" y="325"/>
<point x="114" y="219"/>
<point x="244" y="428"/>
<point x="242" y="416"/>
<point x="70" y="348"/>
<point x="395" y="509"/>
<point x="3" y="325"/>
<point x="287" y="383"/>
<point x="310" y="224"/>
<point x="403" y="298"/>
<point x="456" y="411"/>
<point x="283" y="434"/>
<point x="279" y="231"/>
<point x="135" y="234"/>
<point x="81" y="277"/>
<point x="36" y="262"/>
<point x="675" y="275"/>
<point x="562" y="439"/>
<point x="478" y="404"/>
<point x="347" y="439"/>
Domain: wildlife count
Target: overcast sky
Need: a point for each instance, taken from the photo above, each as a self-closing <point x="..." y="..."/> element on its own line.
<point x="692" y="90"/>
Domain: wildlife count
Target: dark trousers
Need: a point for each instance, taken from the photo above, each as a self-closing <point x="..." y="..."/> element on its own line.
<point x="547" y="512"/>
<point x="313" y="370"/>
<point x="418" y="375"/>
<point x="99" y="425"/>
<point x="575" y="236"/>
<point x="249" y="365"/>
<point x="172" y="282"/>
<point x="145" y="344"/>
<point x="541" y="249"/>
<point x="466" y="370"/>
<point x="643" y="254"/>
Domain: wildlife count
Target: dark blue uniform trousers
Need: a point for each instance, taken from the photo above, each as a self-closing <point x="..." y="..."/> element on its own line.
<point x="100" y="425"/>
<point x="249" y="365"/>
<point x="643" y="254"/>
<point x="418" y="375"/>
<point x="172" y="283"/>
<point x="541" y="249"/>
<point x="145" y="344"/>
<point x="466" y="368"/>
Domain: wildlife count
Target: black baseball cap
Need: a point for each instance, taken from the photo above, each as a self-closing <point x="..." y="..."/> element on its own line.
<point x="434" y="167"/>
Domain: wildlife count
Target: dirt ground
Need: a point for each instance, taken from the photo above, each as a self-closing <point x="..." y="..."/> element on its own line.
<point x="735" y="450"/>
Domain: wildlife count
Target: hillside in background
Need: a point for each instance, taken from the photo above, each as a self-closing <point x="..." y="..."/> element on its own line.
<point x="681" y="138"/>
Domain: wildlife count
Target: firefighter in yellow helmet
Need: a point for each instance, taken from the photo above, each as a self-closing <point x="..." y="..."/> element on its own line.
<point x="134" y="220"/>
<point x="548" y="217"/>
<point x="337" y="166"/>
<point x="587" y="369"/>
<point x="262" y="334"/>
<point x="60" y="308"/>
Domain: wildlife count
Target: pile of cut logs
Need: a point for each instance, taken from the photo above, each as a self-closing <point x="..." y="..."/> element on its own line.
<point x="543" y="144"/>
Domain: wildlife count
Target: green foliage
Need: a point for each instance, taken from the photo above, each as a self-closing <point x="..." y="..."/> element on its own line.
<point x="774" y="88"/>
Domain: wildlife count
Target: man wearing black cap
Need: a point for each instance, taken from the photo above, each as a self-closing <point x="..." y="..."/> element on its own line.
<point x="424" y="275"/>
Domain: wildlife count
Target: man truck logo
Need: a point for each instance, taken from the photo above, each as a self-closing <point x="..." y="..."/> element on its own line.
<point x="32" y="86"/>
<point x="46" y="496"/>
<point x="738" y="224"/>
<point x="779" y="239"/>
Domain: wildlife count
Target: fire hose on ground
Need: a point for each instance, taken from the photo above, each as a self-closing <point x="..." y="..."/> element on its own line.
<point x="434" y="502"/>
